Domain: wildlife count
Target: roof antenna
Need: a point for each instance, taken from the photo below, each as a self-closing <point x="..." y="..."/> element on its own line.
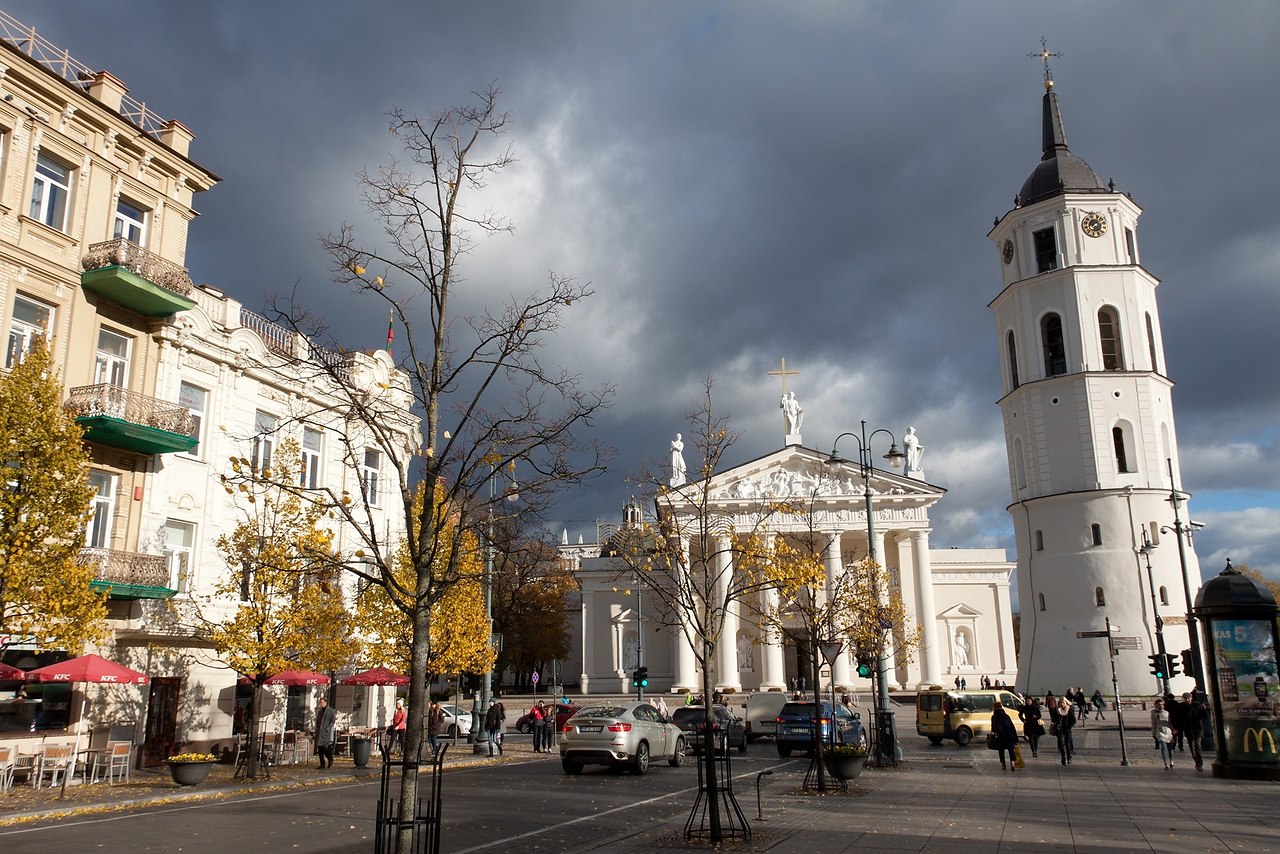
<point x="1043" y="55"/>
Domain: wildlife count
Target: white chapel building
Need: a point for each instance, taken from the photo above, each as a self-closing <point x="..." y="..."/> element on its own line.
<point x="1088" y="422"/>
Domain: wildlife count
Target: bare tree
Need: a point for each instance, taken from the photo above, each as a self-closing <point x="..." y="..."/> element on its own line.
<point x="487" y="402"/>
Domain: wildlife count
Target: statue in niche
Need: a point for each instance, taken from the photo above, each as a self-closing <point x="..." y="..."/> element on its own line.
<point x="744" y="653"/>
<point x="631" y="656"/>
<point x="961" y="649"/>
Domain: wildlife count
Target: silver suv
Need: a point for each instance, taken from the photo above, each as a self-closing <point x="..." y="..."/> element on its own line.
<point x="618" y="734"/>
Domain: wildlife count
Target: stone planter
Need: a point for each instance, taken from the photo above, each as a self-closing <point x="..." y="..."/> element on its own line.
<point x="189" y="773"/>
<point x="846" y="767"/>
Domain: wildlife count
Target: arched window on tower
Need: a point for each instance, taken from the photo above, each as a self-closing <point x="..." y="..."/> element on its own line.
<point x="1109" y="338"/>
<point x="1164" y="595"/>
<point x="1019" y="467"/>
<point x="1151" y="344"/>
<point x="1122" y="447"/>
<point x="1013" y="360"/>
<point x="1055" y="346"/>
<point x="1039" y="541"/>
<point x="1099" y="598"/>
<point x="1041" y="601"/>
<point x="1095" y="530"/>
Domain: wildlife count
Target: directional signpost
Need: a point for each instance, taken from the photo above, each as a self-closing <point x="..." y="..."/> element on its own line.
<point x="1115" y="643"/>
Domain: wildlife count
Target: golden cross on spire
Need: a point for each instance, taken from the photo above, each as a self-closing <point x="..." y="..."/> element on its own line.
<point x="1043" y="55"/>
<point x="784" y="373"/>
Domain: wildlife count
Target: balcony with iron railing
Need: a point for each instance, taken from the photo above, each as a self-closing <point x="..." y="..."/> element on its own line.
<point x="139" y="280"/>
<point x="128" y="575"/>
<point x="124" y="419"/>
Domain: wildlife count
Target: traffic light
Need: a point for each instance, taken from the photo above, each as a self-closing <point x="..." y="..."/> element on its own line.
<point x="640" y="678"/>
<point x="864" y="665"/>
<point x="1188" y="663"/>
<point x="1171" y="665"/>
<point x="1157" y="664"/>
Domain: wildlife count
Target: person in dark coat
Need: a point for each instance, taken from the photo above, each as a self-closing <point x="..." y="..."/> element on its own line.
<point x="1032" y="724"/>
<point x="1006" y="734"/>
<point x="1064" y="720"/>
<point x="493" y="720"/>
<point x="1195" y="718"/>
<point x="326" y="722"/>
<point x="1178" y="720"/>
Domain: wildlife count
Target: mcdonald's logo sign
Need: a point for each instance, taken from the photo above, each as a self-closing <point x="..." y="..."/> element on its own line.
<point x="1255" y="735"/>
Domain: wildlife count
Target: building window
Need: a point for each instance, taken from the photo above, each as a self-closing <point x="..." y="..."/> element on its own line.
<point x="1011" y="343"/>
<point x="1041" y="601"/>
<point x="49" y="192"/>
<point x="264" y="441"/>
<point x="309" y="477"/>
<point x="131" y="222"/>
<point x="1039" y="541"/>
<point x="196" y="400"/>
<point x="1099" y="598"/>
<point x="179" y="539"/>
<point x="1019" y="467"/>
<point x="1164" y="595"/>
<point x="1055" y="346"/>
<point x="1151" y="343"/>
<point x="1131" y="246"/>
<point x="111" y="366"/>
<point x="1109" y="336"/>
<point x="1095" y="530"/>
<point x="1046" y="249"/>
<point x="98" y="532"/>
<point x="296" y="711"/>
<point x="31" y="320"/>
<point x="1122" y="447"/>
<point x="369" y="476"/>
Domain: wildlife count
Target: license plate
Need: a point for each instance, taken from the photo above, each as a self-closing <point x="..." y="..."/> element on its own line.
<point x="796" y="730"/>
<point x="590" y="729"/>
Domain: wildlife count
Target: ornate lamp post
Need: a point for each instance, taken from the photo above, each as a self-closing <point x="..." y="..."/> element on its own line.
<point x="884" y="710"/>
<point x="486" y="679"/>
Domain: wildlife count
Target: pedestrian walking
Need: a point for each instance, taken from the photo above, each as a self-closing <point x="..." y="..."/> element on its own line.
<point x="1081" y="708"/>
<point x="1162" y="732"/>
<point x="1063" y="722"/>
<point x="1032" y="724"/>
<point x="1006" y="735"/>
<point x="1196" y="718"/>
<point x="1178" y="720"/>
<point x="395" y="731"/>
<point x="494" y="719"/>
<point x="326" y="734"/>
<point x="539" y="712"/>
<point x="435" y="725"/>
<point x="1098" y="703"/>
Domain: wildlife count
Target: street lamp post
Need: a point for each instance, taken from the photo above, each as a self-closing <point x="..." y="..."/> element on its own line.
<point x="486" y="678"/>
<point x="884" y="710"/>
<point x="1145" y="551"/>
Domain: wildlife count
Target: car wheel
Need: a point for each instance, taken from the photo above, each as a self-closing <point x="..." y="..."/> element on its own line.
<point x="742" y="748"/>
<point x="640" y="764"/>
<point x="964" y="735"/>
<point x="784" y="752"/>
<point x="935" y="739"/>
<point x="677" y="758"/>
<point x="525" y="728"/>
<point x="453" y="731"/>
<point x="571" y="766"/>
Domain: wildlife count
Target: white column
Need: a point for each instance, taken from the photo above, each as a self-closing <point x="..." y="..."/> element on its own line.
<point x="727" y="648"/>
<point x="835" y="572"/>
<point x="686" y="661"/>
<point x="1008" y="657"/>
<point x="588" y="632"/>
<point x="926" y="611"/>
<point x="771" y="658"/>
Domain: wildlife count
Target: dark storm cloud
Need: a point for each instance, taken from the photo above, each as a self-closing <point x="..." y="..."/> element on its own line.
<point x="742" y="181"/>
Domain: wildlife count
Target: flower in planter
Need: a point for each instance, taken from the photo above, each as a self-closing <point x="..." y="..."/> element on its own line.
<point x="192" y="757"/>
<point x="849" y="750"/>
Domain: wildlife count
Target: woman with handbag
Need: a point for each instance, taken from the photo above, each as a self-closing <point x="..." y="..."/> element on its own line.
<point x="1162" y="732"/>
<point x="1064" y="720"/>
<point x="1005" y="735"/>
<point x="1032" y="724"/>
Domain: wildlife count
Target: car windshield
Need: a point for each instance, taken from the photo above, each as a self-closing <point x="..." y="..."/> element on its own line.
<point x="601" y="712"/>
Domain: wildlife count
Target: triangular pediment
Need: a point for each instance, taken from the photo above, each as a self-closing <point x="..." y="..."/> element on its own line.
<point x="960" y="612"/>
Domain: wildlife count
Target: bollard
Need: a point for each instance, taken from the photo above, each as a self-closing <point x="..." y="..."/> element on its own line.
<point x="759" y="806"/>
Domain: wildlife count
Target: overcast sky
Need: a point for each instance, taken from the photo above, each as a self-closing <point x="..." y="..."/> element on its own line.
<point x="744" y="181"/>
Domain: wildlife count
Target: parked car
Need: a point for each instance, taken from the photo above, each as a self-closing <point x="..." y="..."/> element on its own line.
<point x="563" y="713"/>
<point x="796" y="724"/>
<point x="761" y="714"/>
<point x="457" y="721"/>
<point x="621" y="735"/>
<point x="961" y="715"/>
<point x="693" y="720"/>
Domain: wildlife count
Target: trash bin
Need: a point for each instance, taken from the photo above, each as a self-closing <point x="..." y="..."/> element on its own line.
<point x="360" y="750"/>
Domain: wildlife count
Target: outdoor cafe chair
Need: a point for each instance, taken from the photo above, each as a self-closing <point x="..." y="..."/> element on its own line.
<point x="55" y="760"/>
<point x="113" y="761"/>
<point x="6" y="768"/>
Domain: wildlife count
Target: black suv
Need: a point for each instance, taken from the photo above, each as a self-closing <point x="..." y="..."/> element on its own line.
<point x="692" y="719"/>
<point x="796" y="725"/>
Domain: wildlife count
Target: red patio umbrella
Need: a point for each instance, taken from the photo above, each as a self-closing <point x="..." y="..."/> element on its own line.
<point x="376" y="676"/>
<point x="87" y="668"/>
<point x="298" y="677"/>
<point x="8" y="672"/>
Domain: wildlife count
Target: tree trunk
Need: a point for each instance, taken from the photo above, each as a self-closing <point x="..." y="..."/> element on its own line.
<point x="418" y="704"/>
<point x="708" y="747"/>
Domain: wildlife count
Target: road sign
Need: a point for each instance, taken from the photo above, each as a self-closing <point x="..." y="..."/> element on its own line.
<point x="1101" y="634"/>
<point x="1126" y="643"/>
<point x="534" y="677"/>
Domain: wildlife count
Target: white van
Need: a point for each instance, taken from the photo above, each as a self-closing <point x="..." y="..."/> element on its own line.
<point x="761" y="714"/>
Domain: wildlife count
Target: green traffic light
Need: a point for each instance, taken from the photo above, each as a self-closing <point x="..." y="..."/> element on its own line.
<point x="864" y="669"/>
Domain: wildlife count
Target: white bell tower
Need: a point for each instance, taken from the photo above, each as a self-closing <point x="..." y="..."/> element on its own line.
<point x="1089" y="430"/>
